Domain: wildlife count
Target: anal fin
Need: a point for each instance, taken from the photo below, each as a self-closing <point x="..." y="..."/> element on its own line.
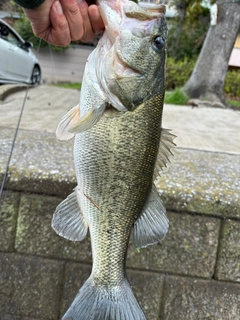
<point x="68" y="220"/>
<point x="152" y="225"/>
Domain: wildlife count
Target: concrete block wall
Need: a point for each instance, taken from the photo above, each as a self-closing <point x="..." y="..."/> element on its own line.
<point x="194" y="273"/>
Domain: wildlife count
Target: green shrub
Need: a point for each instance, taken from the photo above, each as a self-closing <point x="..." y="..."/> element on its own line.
<point x="232" y="83"/>
<point x="178" y="72"/>
<point x="234" y="103"/>
<point x="187" y="29"/>
<point x="176" y="97"/>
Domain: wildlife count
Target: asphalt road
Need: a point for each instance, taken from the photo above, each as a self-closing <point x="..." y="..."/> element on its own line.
<point x="209" y="129"/>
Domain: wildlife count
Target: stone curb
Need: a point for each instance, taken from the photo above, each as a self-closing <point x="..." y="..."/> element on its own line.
<point x="8" y="89"/>
<point x="197" y="181"/>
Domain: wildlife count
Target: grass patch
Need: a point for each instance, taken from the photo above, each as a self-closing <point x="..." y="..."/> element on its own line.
<point x="234" y="103"/>
<point x="68" y="85"/>
<point x="177" y="96"/>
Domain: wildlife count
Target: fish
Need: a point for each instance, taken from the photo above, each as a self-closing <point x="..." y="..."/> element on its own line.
<point x="120" y="148"/>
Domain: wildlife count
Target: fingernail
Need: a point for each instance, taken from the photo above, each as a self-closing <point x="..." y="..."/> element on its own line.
<point x="79" y="1"/>
<point x="58" y="7"/>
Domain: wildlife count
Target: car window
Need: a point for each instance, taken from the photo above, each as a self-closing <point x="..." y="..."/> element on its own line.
<point x="7" y="35"/>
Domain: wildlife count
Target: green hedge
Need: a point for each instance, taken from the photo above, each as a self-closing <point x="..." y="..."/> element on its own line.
<point x="177" y="96"/>
<point x="178" y="72"/>
<point x="232" y="83"/>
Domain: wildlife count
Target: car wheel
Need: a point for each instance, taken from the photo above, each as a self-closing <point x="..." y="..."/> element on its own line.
<point x="36" y="76"/>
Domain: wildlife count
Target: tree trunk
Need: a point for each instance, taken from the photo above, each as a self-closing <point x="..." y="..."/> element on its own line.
<point x="208" y="77"/>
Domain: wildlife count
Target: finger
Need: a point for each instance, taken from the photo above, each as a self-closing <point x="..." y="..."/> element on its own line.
<point x="88" y="32"/>
<point x="39" y="18"/>
<point x="74" y="18"/>
<point x="95" y="18"/>
<point x="59" y="33"/>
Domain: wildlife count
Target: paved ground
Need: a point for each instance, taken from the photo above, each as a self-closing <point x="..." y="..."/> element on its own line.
<point x="193" y="274"/>
<point x="208" y="129"/>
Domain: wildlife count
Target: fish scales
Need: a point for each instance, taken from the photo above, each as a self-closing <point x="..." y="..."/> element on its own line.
<point x="115" y="167"/>
<point x="119" y="150"/>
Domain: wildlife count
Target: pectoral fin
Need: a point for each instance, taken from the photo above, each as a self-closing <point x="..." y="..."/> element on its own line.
<point x="68" y="220"/>
<point x="152" y="225"/>
<point x="88" y="120"/>
<point x="67" y="122"/>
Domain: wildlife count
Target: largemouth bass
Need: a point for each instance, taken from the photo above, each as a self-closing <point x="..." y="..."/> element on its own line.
<point x="119" y="150"/>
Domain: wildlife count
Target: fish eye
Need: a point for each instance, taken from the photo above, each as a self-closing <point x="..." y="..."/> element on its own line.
<point x="158" y="43"/>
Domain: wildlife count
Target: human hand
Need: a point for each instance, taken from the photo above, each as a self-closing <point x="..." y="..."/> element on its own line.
<point x="60" y="21"/>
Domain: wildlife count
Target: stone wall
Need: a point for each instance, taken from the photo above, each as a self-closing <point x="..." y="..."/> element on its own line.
<point x="194" y="273"/>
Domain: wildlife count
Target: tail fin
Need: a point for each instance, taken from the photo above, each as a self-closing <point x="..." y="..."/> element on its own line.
<point x="104" y="303"/>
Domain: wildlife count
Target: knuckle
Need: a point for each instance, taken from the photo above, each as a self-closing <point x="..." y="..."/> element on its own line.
<point x="75" y="38"/>
<point x="87" y="37"/>
<point x="63" y="26"/>
<point x="64" y="39"/>
<point x="62" y="42"/>
<point x="73" y="11"/>
<point x="39" y="34"/>
<point x="77" y="34"/>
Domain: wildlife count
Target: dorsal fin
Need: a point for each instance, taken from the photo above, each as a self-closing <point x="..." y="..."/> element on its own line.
<point x="164" y="152"/>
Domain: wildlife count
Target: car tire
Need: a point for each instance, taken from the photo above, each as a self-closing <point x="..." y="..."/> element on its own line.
<point x="36" y="76"/>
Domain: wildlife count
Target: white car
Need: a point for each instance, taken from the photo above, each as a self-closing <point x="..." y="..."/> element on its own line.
<point x="17" y="62"/>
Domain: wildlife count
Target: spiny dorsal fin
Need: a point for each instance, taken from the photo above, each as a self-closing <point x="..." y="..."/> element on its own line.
<point x="68" y="220"/>
<point x="152" y="225"/>
<point x="164" y="152"/>
<point x="67" y="122"/>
